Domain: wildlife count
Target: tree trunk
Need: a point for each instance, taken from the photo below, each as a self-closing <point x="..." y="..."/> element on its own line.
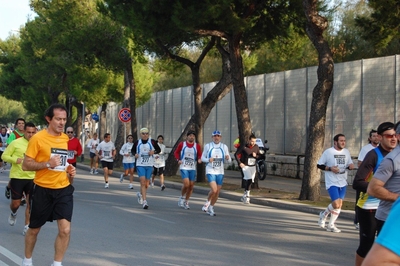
<point x="222" y="88"/>
<point x="316" y="25"/>
<point x="103" y="122"/>
<point x="132" y="98"/>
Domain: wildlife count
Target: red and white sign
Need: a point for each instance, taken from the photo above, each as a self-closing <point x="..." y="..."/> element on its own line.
<point x="124" y="115"/>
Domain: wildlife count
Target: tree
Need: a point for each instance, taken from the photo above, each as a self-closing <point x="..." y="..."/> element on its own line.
<point x="315" y="27"/>
<point x="382" y="27"/>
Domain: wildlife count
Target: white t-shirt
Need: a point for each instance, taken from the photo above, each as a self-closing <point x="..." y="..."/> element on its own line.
<point x="332" y="157"/>
<point x="364" y="150"/>
<point x="105" y="150"/>
<point x="159" y="159"/>
<point x="127" y="149"/>
<point x="218" y="152"/>
<point x="92" y="144"/>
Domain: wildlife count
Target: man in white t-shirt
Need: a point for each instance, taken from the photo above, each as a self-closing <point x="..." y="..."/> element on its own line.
<point x="334" y="161"/>
<point x="105" y="151"/>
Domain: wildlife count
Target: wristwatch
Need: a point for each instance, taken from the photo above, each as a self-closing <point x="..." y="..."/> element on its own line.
<point x="47" y="165"/>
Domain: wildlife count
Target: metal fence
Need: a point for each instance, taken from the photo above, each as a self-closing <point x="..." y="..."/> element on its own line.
<point x="365" y="94"/>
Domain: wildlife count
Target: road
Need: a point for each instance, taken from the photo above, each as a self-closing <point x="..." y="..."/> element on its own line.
<point x="110" y="228"/>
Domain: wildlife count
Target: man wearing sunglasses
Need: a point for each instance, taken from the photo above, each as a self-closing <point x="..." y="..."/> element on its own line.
<point x="143" y="149"/>
<point x="74" y="147"/>
<point x="385" y="184"/>
<point x="366" y="205"/>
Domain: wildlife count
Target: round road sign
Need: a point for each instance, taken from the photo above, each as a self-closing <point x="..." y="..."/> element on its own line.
<point x="124" y="115"/>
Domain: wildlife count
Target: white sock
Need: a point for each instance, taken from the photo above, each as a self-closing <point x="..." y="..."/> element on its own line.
<point x="334" y="215"/>
<point x="57" y="263"/>
<point x="247" y="193"/>
<point x="328" y="210"/>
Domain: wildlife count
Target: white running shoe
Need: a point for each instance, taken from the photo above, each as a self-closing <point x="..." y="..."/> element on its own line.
<point x="243" y="198"/>
<point x="106" y="185"/>
<point x="12" y="219"/>
<point x="95" y="172"/>
<point x="321" y="221"/>
<point x="145" y="205"/>
<point x="139" y="198"/>
<point x="186" y="205"/>
<point x="210" y="211"/>
<point x="247" y="200"/>
<point x="130" y="185"/>
<point x="205" y="206"/>
<point x="333" y="228"/>
<point x="26" y="227"/>
<point x="121" y="178"/>
<point x="180" y="202"/>
<point x="91" y="171"/>
<point x="27" y="264"/>
<point x="152" y="184"/>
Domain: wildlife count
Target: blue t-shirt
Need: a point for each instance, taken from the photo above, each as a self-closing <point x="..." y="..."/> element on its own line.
<point x="390" y="233"/>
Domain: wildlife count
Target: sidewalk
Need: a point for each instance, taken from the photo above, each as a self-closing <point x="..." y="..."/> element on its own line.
<point x="284" y="184"/>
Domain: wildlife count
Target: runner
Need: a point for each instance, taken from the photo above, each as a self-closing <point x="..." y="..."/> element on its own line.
<point x="128" y="160"/>
<point x="215" y="155"/>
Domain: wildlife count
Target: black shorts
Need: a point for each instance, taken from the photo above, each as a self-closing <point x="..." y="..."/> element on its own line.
<point x="158" y="171"/>
<point x="49" y="204"/>
<point x="1" y="153"/>
<point x="92" y="155"/>
<point x="19" y="186"/>
<point x="109" y="165"/>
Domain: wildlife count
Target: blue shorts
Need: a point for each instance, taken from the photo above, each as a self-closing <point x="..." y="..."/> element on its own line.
<point x="337" y="192"/>
<point x="191" y="174"/>
<point x="144" y="171"/>
<point x="128" y="166"/>
<point x="219" y="179"/>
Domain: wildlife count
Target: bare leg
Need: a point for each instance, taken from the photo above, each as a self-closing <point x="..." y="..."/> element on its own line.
<point x="30" y="241"/>
<point x="62" y="239"/>
<point x="189" y="190"/>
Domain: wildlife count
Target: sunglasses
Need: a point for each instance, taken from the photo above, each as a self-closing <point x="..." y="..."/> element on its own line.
<point x="145" y="133"/>
<point x="70" y="132"/>
<point x="389" y="136"/>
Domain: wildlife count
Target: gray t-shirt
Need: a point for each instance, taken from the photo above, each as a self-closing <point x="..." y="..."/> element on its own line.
<point x="389" y="173"/>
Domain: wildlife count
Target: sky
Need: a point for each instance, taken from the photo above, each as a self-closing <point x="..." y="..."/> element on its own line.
<point x="13" y="15"/>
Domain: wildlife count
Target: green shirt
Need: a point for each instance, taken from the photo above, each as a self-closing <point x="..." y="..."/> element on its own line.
<point x="16" y="150"/>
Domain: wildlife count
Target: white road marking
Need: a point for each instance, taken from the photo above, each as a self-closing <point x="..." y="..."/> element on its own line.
<point x="10" y="255"/>
<point x="148" y="216"/>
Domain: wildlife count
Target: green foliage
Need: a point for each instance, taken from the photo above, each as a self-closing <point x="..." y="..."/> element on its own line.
<point x="11" y="110"/>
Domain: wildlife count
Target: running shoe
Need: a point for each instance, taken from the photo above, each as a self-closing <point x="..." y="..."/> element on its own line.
<point x="162" y="187"/>
<point x="95" y="172"/>
<point x="121" y="178"/>
<point x="130" y="185"/>
<point x="27" y="264"/>
<point x="247" y="200"/>
<point x="12" y="219"/>
<point x="7" y="192"/>
<point x="205" y="206"/>
<point x="321" y="221"/>
<point x="210" y="211"/>
<point x="91" y="171"/>
<point x="26" y="227"/>
<point x="139" y="198"/>
<point x="145" y="206"/>
<point x="243" y="198"/>
<point x="180" y="202"/>
<point x="152" y="184"/>
<point x="186" y="205"/>
<point x="106" y="185"/>
<point x="333" y="228"/>
<point x="357" y="226"/>
<point x="23" y="200"/>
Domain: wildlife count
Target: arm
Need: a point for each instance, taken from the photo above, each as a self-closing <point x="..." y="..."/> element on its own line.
<point x="199" y="153"/>
<point x="89" y="145"/>
<point x="366" y="168"/>
<point x="134" y="147"/>
<point x="29" y="164"/>
<point x="379" y="255"/>
<point x="157" y="148"/>
<point x="204" y="158"/>
<point x="376" y="189"/>
<point x="177" y="153"/>
<point x="122" y="150"/>
<point x="79" y="149"/>
<point x="8" y="155"/>
<point x="11" y="138"/>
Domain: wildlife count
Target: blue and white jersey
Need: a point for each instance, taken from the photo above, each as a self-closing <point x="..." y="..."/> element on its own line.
<point x="218" y="153"/>
<point x="143" y="150"/>
<point x="4" y="141"/>
<point x="188" y="157"/>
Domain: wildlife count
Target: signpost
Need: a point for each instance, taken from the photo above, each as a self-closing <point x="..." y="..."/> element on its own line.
<point x="124" y="115"/>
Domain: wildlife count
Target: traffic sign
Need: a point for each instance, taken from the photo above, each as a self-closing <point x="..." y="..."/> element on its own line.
<point x="95" y="117"/>
<point x="124" y="115"/>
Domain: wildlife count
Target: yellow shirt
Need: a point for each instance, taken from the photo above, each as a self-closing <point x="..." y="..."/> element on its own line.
<point x="41" y="147"/>
<point x="14" y="151"/>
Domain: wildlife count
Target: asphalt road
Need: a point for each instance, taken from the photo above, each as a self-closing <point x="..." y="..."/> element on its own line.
<point x="110" y="228"/>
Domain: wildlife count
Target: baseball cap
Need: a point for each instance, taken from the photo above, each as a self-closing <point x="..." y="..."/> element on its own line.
<point x="216" y="132"/>
<point x="385" y="126"/>
<point x="144" y="130"/>
<point x="191" y="132"/>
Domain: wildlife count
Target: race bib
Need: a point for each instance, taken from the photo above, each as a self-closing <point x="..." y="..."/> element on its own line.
<point x="251" y="161"/>
<point x="189" y="162"/>
<point x="63" y="158"/>
<point x="107" y="154"/>
<point x="71" y="155"/>
<point x="145" y="158"/>
<point x="217" y="162"/>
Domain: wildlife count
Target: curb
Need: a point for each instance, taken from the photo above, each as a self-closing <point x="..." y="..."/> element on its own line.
<point x="280" y="204"/>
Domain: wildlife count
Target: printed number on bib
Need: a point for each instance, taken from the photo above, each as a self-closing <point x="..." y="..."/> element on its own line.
<point x="251" y="161"/>
<point x="71" y="155"/>
<point x="63" y="159"/>
<point x="217" y="162"/>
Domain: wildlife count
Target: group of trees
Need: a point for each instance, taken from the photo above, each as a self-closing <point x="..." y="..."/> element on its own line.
<point x="115" y="50"/>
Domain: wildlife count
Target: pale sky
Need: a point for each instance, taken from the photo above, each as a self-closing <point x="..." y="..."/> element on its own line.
<point x="13" y="15"/>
